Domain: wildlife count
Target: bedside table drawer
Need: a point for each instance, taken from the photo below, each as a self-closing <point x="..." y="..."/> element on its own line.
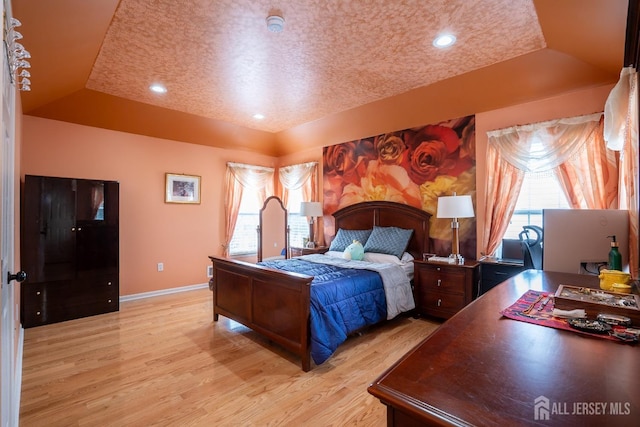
<point x="437" y="303"/>
<point x="437" y="279"/>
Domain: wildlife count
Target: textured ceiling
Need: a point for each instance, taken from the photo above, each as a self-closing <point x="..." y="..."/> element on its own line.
<point x="221" y="65"/>
<point x="219" y="59"/>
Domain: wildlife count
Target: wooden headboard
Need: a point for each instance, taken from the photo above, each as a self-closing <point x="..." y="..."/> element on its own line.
<point x="365" y="215"/>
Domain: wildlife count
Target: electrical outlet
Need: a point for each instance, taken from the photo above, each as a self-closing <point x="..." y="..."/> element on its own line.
<point x="160" y="266"/>
<point x="210" y="271"/>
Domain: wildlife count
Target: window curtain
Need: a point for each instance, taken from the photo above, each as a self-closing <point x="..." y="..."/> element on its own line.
<point x="295" y="177"/>
<point x="621" y="134"/>
<point x="240" y="177"/>
<point x="590" y="178"/>
<point x="503" y="186"/>
<point x="557" y="146"/>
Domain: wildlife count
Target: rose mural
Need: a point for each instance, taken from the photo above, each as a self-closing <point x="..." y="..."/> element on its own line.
<point x="413" y="166"/>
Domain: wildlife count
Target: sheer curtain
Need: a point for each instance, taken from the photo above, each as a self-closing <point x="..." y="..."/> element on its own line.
<point x="303" y="176"/>
<point x="572" y="148"/>
<point x="590" y="178"/>
<point x="239" y="177"/>
<point x="621" y="134"/>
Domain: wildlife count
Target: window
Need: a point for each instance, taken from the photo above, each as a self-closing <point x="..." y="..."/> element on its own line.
<point x="245" y="235"/>
<point x="539" y="191"/>
<point x="298" y="225"/>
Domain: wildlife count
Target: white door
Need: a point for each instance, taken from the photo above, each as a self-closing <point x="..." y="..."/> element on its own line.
<point x="9" y="389"/>
<point x="8" y="328"/>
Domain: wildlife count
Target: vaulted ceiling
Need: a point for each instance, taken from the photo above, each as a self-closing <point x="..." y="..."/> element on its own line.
<point x="93" y="61"/>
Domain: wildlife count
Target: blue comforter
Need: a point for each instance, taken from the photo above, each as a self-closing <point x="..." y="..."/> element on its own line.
<point x="343" y="300"/>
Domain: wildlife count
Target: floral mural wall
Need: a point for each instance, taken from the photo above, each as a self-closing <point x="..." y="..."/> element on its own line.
<point x="412" y="166"/>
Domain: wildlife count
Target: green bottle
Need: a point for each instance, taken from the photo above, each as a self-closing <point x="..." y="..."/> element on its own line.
<point x="615" y="259"/>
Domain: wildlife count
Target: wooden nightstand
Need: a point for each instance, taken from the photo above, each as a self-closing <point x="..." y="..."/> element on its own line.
<point x="442" y="289"/>
<point x="308" y="251"/>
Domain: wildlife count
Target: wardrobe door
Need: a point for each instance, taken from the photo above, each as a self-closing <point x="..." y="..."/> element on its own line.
<point x="97" y="227"/>
<point x="48" y="224"/>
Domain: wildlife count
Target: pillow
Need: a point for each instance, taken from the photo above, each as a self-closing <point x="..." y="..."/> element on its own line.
<point x="354" y="251"/>
<point x="388" y="240"/>
<point x="388" y="259"/>
<point x="346" y="237"/>
<point x="334" y="254"/>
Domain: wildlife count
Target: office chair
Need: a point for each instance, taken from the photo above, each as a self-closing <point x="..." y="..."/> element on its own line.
<point x="531" y="247"/>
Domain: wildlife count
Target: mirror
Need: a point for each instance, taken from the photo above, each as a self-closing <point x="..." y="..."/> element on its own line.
<point x="273" y="232"/>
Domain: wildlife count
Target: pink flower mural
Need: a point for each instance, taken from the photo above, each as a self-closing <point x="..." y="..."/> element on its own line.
<point x="413" y="166"/>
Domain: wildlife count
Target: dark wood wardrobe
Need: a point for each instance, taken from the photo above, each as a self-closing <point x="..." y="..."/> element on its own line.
<point x="69" y="249"/>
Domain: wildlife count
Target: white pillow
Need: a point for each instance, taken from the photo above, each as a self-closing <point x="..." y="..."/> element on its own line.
<point x="335" y="254"/>
<point x="386" y="258"/>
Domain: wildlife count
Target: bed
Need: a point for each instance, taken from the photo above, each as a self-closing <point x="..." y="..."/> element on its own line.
<point x="276" y="303"/>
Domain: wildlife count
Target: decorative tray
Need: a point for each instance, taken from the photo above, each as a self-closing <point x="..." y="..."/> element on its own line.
<point x="596" y="301"/>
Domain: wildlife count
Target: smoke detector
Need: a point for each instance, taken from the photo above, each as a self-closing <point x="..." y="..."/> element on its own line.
<point x="275" y="23"/>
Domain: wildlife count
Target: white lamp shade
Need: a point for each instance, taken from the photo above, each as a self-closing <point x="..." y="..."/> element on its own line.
<point x="455" y="207"/>
<point x="312" y="209"/>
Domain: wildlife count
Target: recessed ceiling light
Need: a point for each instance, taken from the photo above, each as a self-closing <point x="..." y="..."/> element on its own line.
<point x="444" y="40"/>
<point x="258" y="116"/>
<point x="157" y="88"/>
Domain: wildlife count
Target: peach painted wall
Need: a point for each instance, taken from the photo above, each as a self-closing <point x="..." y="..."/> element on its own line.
<point x="151" y="231"/>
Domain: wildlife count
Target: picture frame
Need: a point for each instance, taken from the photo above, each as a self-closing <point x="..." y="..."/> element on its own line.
<point x="180" y="188"/>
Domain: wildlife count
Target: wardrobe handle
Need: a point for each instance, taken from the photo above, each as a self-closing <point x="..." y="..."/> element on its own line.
<point x="20" y="276"/>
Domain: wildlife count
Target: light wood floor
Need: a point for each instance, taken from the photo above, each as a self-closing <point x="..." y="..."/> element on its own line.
<point x="163" y="361"/>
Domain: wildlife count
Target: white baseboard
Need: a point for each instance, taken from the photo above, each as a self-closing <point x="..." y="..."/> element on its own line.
<point x="163" y="292"/>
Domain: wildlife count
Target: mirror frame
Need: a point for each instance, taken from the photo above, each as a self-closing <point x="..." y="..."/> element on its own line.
<point x="272" y="201"/>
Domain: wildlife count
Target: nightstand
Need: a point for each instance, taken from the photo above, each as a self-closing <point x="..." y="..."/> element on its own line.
<point x="307" y="251"/>
<point x="442" y="289"/>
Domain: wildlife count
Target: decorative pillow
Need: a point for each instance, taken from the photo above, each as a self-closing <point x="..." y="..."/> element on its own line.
<point x="354" y="251"/>
<point x="345" y="237"/>
<point x="388" y="240"/>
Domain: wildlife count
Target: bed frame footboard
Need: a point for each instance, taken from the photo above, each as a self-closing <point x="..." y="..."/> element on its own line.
<point x="273" y="303"/>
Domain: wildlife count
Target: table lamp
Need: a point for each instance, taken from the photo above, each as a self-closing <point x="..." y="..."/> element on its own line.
<point x="311" y="210"/>
<point x="455" y="207"/>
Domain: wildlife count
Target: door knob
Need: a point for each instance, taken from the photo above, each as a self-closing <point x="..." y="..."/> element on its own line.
<point x="20" y="276"/>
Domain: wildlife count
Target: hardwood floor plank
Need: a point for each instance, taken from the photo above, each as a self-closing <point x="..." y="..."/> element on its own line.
<point x="162" y="361"/>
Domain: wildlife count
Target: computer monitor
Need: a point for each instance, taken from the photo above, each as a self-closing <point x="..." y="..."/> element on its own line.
<point x="512" y="250"/>
<point x="575" y="240"/>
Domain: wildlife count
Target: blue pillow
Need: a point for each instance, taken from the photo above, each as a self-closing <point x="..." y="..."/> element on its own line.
<point x="388" y="240"/>
<point x="346" y="237"/>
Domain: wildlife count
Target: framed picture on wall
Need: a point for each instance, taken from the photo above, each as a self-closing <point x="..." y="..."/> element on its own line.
<point x="182" y="188"/>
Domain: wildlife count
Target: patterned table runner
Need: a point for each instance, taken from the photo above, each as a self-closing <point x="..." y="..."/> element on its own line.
<point x="538" y="315"/>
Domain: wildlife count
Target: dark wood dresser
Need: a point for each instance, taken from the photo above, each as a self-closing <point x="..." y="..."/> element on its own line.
<point x="494" y="271"/>
<point x="441" y="289"/>
<point x="69" y="249"/>
<point x="481" y="369"/>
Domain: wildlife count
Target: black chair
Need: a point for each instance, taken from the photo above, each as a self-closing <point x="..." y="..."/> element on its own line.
<point x="531" y="247"/>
